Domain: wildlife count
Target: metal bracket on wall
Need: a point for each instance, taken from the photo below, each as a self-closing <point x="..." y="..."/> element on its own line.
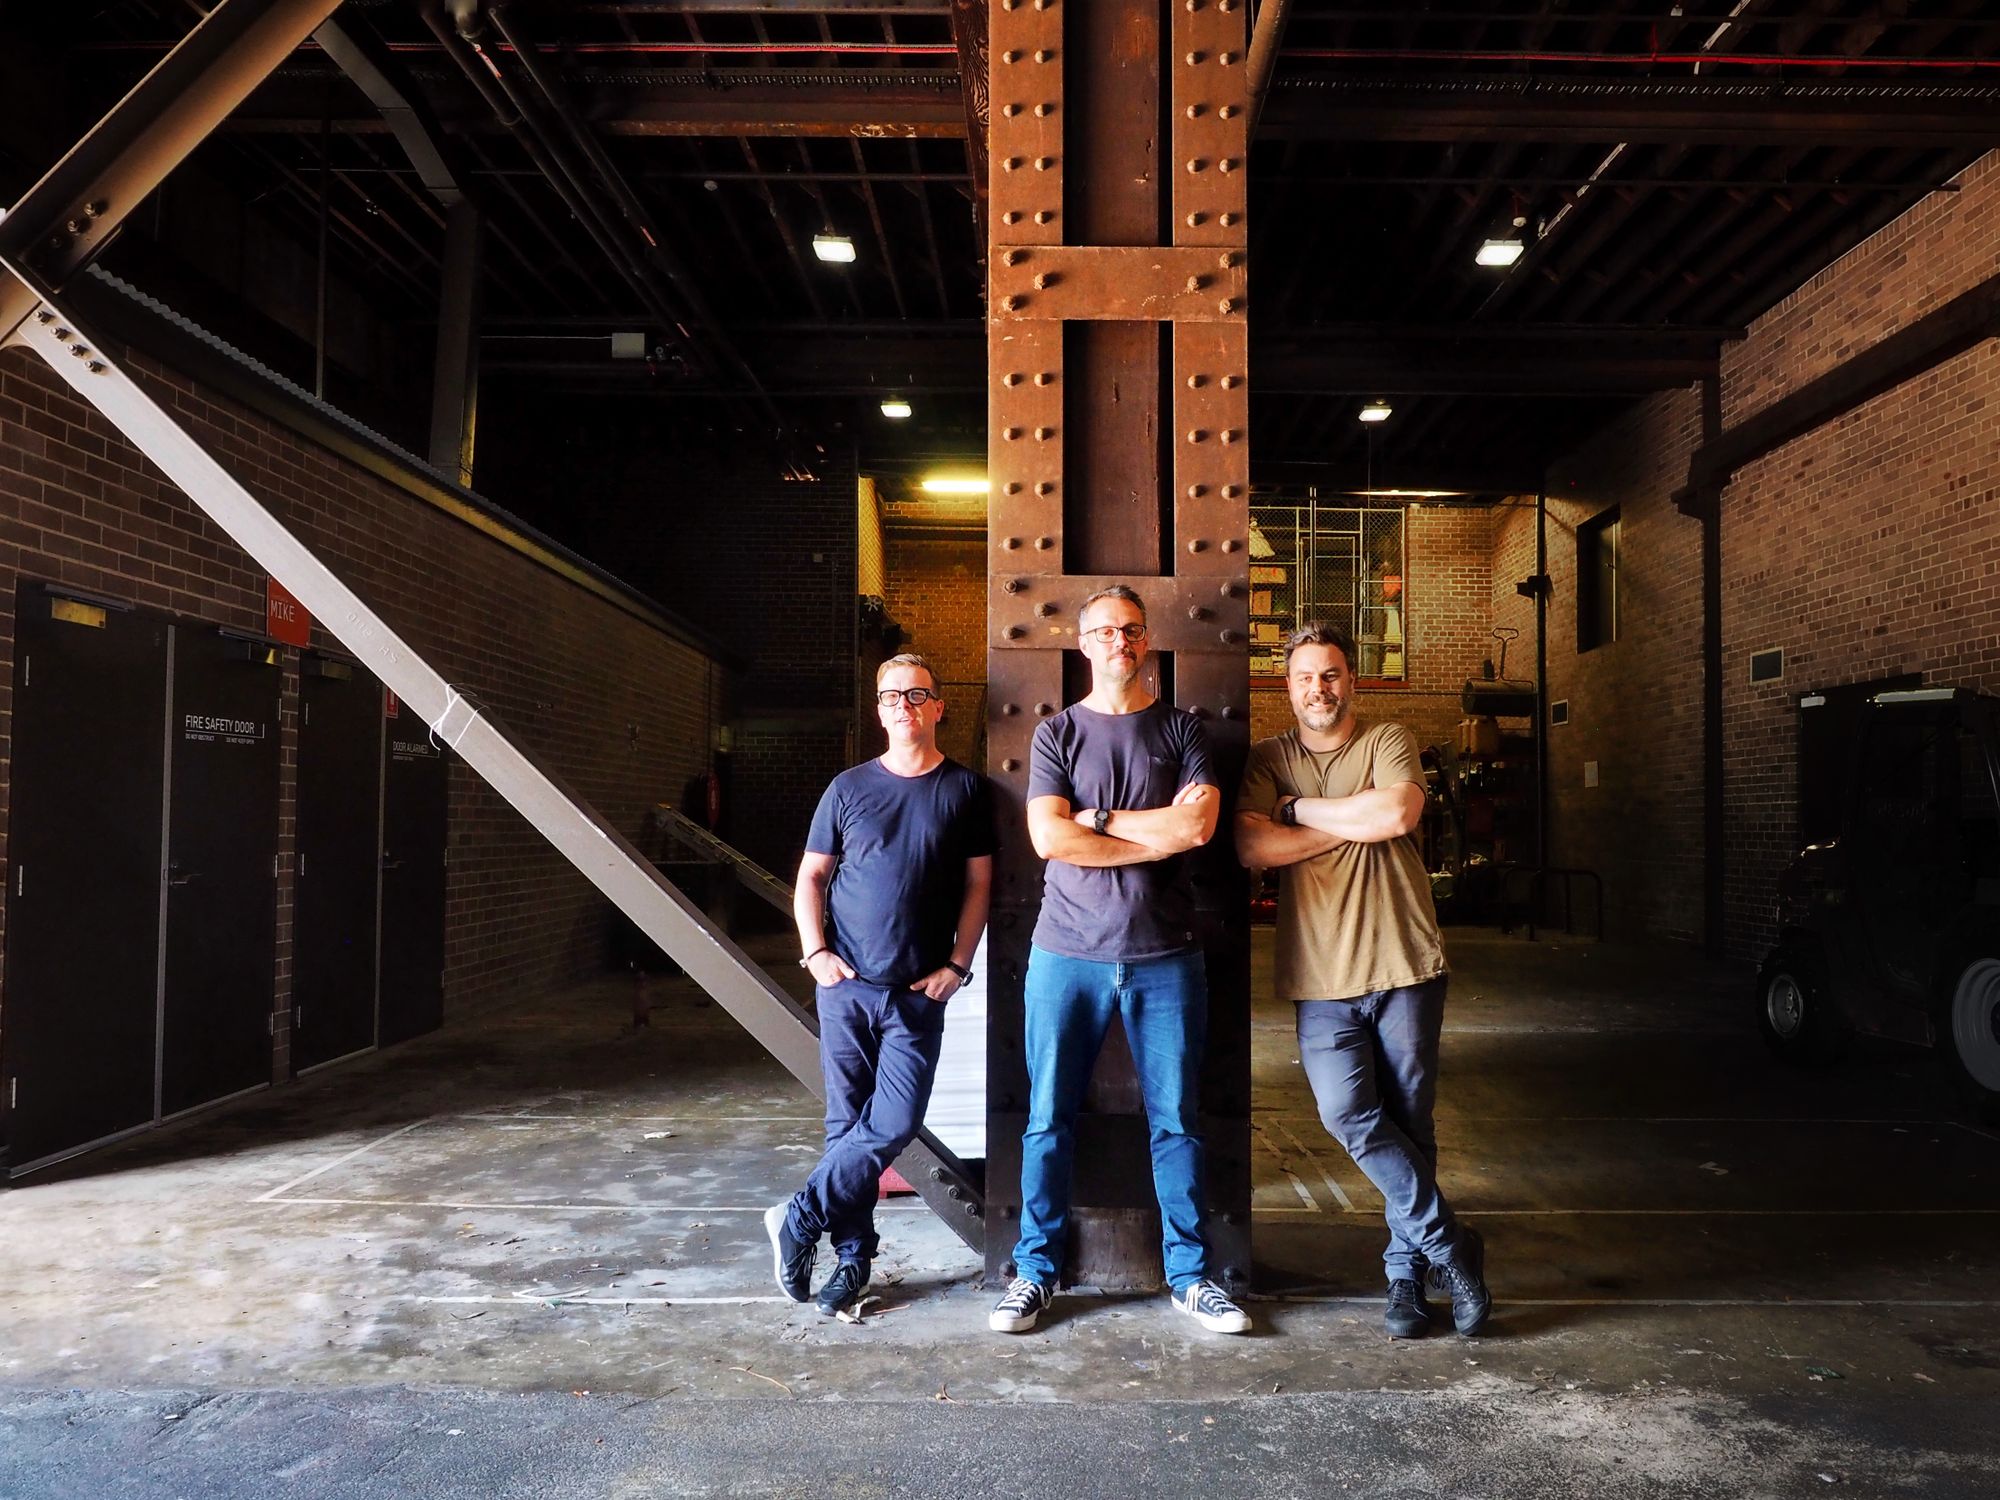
<point x="598" y="851"/>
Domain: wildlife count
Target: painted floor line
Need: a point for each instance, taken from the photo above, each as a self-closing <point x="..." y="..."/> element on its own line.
<point x="572" y="1208"/>
<point x="558" y="1297"/>
<point x="340" y="1161"/>
<point x="1339" y="1193"/>
<point x="1687" y="1213"/>
<point x="1305" y="1197"/>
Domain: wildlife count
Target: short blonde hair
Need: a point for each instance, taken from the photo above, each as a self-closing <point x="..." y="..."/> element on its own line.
<point x="906" y="659"/>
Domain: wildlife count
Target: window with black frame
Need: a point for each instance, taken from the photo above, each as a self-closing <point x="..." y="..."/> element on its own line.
<point x="1319" y="560"/>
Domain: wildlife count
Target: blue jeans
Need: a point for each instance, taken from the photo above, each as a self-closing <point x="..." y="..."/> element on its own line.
<point x="1373" y="1064"/>
<point x="1069" y="1004"/>
<point x="878" y="1051"/>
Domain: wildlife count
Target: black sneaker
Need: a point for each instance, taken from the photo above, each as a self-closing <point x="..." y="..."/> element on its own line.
<point x="1017" y="1310"/>
<point x="1464" y="1281"/>
<point x="1408" y="1315"/>
<point x="1210" y="1306"/>
<point x="792" y="1258"/>
<point x="843" y="1288"/>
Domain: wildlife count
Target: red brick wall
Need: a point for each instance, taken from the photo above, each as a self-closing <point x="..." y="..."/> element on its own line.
<point x="937" y="594"/>
<point x="621" y="710"/>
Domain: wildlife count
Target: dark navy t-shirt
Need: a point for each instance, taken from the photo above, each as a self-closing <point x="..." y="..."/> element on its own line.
<point x="1117" y="761"/>
<point x="902" y="843"/>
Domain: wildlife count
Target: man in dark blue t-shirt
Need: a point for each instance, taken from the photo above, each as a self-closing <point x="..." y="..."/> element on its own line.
<point x="1119" y="789"/>
<point x="891" y="900"/>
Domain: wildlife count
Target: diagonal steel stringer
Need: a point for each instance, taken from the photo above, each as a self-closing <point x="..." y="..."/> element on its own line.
<point x="599" y="851"/>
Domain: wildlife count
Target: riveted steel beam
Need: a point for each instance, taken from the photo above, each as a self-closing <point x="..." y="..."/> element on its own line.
<point x="1118" y="414"/>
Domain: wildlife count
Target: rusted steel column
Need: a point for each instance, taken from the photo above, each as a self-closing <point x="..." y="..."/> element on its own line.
<point x="1118" y="412"/>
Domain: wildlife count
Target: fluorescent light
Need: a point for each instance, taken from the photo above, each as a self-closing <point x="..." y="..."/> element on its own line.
<point x="1499" y="252"/>
<point x="1405" y="494"/>
<point x="950" y="484"/>
<point x="896" y="409"/>
<point x="837" y="248"/>
<point x="1376" y="411"/>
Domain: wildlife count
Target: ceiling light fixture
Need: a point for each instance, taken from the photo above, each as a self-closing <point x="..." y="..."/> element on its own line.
<point x="955" y="484"/>
<point x="896" y="408"/>
<point x="1500" y="252"/>
<point x="836" y="249"/>
<point x="1376" y="411"/>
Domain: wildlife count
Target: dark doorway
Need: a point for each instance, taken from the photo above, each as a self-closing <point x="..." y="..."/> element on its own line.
<point x="339" y="811"/>
<point x="85" y="858"/>
<point x="222" y="847"/>
<point x="416" y="776"/>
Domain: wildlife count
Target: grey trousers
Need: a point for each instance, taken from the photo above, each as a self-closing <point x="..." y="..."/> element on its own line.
<point x="1372" y="1062"/>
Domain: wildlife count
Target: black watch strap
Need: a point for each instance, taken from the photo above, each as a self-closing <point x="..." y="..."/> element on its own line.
<point x="964" y="974"/>
<point x="1100" y="819"/>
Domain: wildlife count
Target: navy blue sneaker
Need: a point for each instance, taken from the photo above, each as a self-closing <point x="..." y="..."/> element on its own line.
<point x="1408" y="1315"/>
<point x="792" y="1257"/>
<point x="843" y="1288"/>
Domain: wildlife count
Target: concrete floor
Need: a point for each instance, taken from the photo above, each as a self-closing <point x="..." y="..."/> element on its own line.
<point x="525" y="1254"/>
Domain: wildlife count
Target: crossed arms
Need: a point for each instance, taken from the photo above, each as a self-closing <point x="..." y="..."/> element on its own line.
<point x="1373" y="816"/>
<point x="1132" y="836"/>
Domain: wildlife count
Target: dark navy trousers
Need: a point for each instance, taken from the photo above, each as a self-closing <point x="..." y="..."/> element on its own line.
<point x="878" y="1051"/>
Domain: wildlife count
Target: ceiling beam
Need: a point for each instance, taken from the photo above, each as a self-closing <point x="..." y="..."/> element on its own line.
<point x="1681" y="112"/>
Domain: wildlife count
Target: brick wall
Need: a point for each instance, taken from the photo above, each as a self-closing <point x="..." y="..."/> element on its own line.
<point x="621" y="710"/>
<point x="937" y="594"/>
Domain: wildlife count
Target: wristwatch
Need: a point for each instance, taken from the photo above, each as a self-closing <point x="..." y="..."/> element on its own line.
<point x="1100" y="819"/>
<point x="964" y="974"/>
<point x="1288" y="812"/>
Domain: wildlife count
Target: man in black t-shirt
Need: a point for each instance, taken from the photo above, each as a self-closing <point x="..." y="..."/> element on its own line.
<point x="891" y="900"/>
<point x="1119" y="789"/>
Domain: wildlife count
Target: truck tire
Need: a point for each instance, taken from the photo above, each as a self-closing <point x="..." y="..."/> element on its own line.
<point x="1969" y="1028"/>
<point x="1794" y="1011"/>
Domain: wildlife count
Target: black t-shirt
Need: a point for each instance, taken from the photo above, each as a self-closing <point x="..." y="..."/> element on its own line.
<point x="1117" y="761"/>
<point x="902" y="843"/>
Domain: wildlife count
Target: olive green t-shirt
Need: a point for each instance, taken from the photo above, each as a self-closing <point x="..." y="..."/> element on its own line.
<point x="1359" y="917"/>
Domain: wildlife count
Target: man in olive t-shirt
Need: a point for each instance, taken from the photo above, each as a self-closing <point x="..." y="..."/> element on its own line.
<point x="1334" y="804"/>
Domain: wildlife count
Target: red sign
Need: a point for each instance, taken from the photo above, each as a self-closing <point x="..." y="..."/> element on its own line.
<point x="284" y="617"/>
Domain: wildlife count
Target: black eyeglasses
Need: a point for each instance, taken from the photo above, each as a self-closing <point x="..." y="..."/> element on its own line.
<point x="915" y="697"/>
<point x="1104" y="635"/>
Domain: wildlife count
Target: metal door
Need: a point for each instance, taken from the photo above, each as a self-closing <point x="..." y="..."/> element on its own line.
<point x="416" y="775"/>
<point x="339" y="812"/>
<point x="222" y="849"/>
<point x="84" y="871"/>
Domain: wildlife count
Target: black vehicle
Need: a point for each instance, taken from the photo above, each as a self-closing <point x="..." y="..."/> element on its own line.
<point x="1889" y="919"/>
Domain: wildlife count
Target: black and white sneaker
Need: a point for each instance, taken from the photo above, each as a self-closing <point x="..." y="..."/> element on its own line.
<point x="1210" y="1306"/>
<point x="792" y="1258"/>
<point x="1017" y="1310"/>
<point x="843" y="1288"/>
<point x="1464" y="1281"/>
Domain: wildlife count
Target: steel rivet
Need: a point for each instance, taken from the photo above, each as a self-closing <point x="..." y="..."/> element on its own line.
<point x="1200" y="713"/>
<point x="1193" y="58"/>
<point x="1196" y="283"/>
<point x="1226" y="260"/>
<point x="1013" y="633"/>
<point x="1195" y="382"/>
<point x="1195" y="434"/>
<point x="1043" y="111"/>
<point x="1225" y="220"/>
<point x="1227" y="304"/>
<point x="1012" y="487"/>
<point x="1011" y="257"/>
<point x="1044" y="55"/>
<point x="1011" y="304"/>
<point x="1228" y="637"/>
<point x="1012" y="216"/>
<point x="1043" y="377"/>
<point x="1042" y="487"/>
<point x="1043" y="543"/>
<point x="1193" y="5"/>
<point x="1043" y="163"/>
<point x="1230" y="382"/>
<point x="80" y="350"/>
<point x="1011" y="543"/>
<point x="1010" y="57"/>
<point x="1012" y="377"/>
<point x="1227" y="164"/>
<point x="1009" y="163"/>
<point x="1045" y="609"/>
<point x="1228" y="111"/>
<point x="1043" y="216"/>
<point x="1043" y="434"/>
<point x="1198" y="611"/>
<point x="1010" y="765"/>
<point x="1232" y="590"/>
<point x="1230" y="544"/>
<point x="58" y="242"/>
<point x="1231" y="491"/>
<point x="64" y="334"/>
<point x="1011" y="709"/>
<point x="1013" y="585"/>
<point x="1226" y="5"/>
<point x="96" y="367"/>
<point x="1045" y="280"/>
<point x="92" y="210"/>
<point x="1197" y="545"/>
<point x="1230" y="434"/>
<point x="1044" y="4"/>
<point x="1010" y="110"/>
<point x="1194" y="111"/>
<point x="43" y="315"/>
<point x="1227" y="711"/>
<point x="1196" y="491"/>
<point x="1226" y="58"/>
<point x="1043" y="710"/>
<point x="1194" y="164"/>
<point x="1010" y="433"/>
<point x="1194" y="220"/>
